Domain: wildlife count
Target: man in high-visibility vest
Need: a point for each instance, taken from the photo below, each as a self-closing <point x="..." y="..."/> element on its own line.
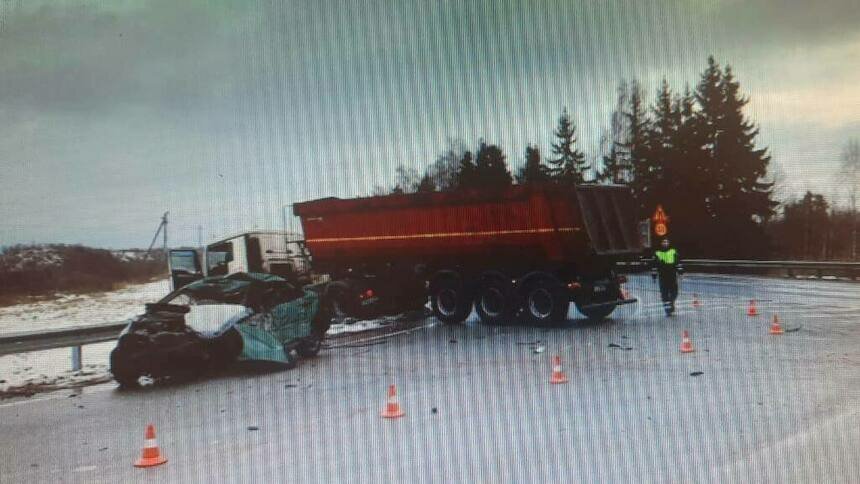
<point x="667" y="267"/>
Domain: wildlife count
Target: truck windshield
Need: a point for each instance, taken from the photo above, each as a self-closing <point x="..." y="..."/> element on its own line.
<point x="184" y="261"/>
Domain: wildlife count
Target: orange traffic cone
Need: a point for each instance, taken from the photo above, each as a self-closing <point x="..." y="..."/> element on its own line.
<point x="686" y="343"/>
<point x="392" y="407"/>
<point x="558" y="375"/>
<point x="775" y="327"/>
<point x="696" y="303"/>
<point x="752" y="311"/>
<point x="151" y="453"/>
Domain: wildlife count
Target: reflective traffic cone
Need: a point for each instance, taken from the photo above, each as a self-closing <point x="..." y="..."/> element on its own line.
<point x="775" y="327"/>
<point x="752" y="311"/>
<point x="696" y="303"/>
<point x="151" y="454"/>
<point x="686" y="343"/>
<point x="392" y="407"/>
<point x="558" y="375"/>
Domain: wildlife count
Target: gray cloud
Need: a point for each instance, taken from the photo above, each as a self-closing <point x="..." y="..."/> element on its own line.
<point x="224" y="111"/>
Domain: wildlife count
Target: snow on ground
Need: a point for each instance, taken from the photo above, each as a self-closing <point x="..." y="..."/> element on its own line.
<point x="71" y="310"/>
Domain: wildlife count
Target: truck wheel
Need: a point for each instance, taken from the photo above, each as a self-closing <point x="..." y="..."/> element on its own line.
<point x="495" y="302"/>
<point x="545" y="301"/>
<point x="596" y="314"/>
<point x="450" y="300"/>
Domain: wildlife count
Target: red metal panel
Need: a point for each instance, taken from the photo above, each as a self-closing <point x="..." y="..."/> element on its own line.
<point x="539" y="221"/>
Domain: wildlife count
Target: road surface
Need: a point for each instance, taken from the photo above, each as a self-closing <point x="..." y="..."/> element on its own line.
<point x="479" y="406"/>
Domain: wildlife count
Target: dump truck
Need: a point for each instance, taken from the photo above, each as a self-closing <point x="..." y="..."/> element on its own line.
<point x="522" y="253"/>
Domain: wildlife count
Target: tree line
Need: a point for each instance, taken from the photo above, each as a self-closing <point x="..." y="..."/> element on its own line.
<point x="692" y="151"/>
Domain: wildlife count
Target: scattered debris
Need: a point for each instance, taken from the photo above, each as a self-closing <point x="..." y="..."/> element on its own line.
<point x="253" y="427"/>
<point x="434" y="410"/>
<point x="793" y="330"/>
<point x="540" y="349"/>
<point x="290" y="385"/>
<point x="452" y="340"/>
<point x="697" y="373"/>
<point x="103" y="449"/>
<point x="613" y="345"/>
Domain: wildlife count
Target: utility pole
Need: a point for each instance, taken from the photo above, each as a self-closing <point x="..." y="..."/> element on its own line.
<point x="199" y="236"/>
<point x="161" y="226"/>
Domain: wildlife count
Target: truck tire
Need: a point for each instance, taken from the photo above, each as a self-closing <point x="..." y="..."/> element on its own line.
<point x="450" y="299"/>
<point x="596" y="314"/>
<point x="496" y="302"/>
<point x="545" y="301"/>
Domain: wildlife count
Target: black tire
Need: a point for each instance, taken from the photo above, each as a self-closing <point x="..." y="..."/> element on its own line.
<point x="310" y="346"/>
<point x="126" y="376"/>
<point x="495" y="300"/>
<point x="545" y="301"/>
<point x="450" y="299"/>
<point x="596" y="314"/>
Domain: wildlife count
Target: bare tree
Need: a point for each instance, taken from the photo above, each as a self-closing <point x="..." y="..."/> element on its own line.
<point x="850" y="173"/>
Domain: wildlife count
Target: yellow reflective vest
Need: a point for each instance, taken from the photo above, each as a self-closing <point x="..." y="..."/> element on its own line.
<point x="667" y="256"/>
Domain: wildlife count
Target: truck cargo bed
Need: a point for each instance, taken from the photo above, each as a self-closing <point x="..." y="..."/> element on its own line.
<point x="537" y="222"/>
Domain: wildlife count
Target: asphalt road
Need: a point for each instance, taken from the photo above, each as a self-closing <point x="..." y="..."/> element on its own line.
<point x="765" y="409"/>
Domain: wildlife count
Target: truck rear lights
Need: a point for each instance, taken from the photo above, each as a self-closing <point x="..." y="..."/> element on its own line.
<point x="574" y="286"/>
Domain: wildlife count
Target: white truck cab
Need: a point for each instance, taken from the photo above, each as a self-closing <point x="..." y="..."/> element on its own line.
<point x="272" y="252"/>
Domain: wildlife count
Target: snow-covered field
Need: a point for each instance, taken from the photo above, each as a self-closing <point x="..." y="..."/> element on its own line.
<point x="52" y="367"/>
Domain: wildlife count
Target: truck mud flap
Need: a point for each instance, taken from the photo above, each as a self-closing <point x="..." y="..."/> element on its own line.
<point x="618" y="302"/>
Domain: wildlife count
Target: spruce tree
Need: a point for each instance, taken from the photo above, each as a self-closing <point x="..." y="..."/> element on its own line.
<point x="732" y="170"/>
<point x="490" y="168"/>
<point x="534" y="170"/>
<point x="636" y="146"/>
<point x="465" y="176"/>
<point x="569" y="165"/>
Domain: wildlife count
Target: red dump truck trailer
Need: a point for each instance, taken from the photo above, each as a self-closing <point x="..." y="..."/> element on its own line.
<point x="525" y="252"/>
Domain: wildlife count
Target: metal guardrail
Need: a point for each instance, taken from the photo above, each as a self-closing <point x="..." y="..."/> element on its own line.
<point x="821" y="268"/>
<point x="75" y="338"/>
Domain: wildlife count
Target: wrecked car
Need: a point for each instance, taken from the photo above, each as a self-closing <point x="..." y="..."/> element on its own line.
<point x="216" y="321"/>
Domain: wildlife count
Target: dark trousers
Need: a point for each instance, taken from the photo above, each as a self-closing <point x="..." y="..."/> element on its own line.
<point x="669" y="292"/>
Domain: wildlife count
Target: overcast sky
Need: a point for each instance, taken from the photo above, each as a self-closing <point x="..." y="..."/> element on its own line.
<point x="222" y="112"/>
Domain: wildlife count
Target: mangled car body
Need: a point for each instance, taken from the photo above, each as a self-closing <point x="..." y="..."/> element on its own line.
<point x="215" y="321"/>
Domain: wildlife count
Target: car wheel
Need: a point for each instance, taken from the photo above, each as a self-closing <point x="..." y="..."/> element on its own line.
<point x="126" y="376"/>
<point x="310" y="346"/>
